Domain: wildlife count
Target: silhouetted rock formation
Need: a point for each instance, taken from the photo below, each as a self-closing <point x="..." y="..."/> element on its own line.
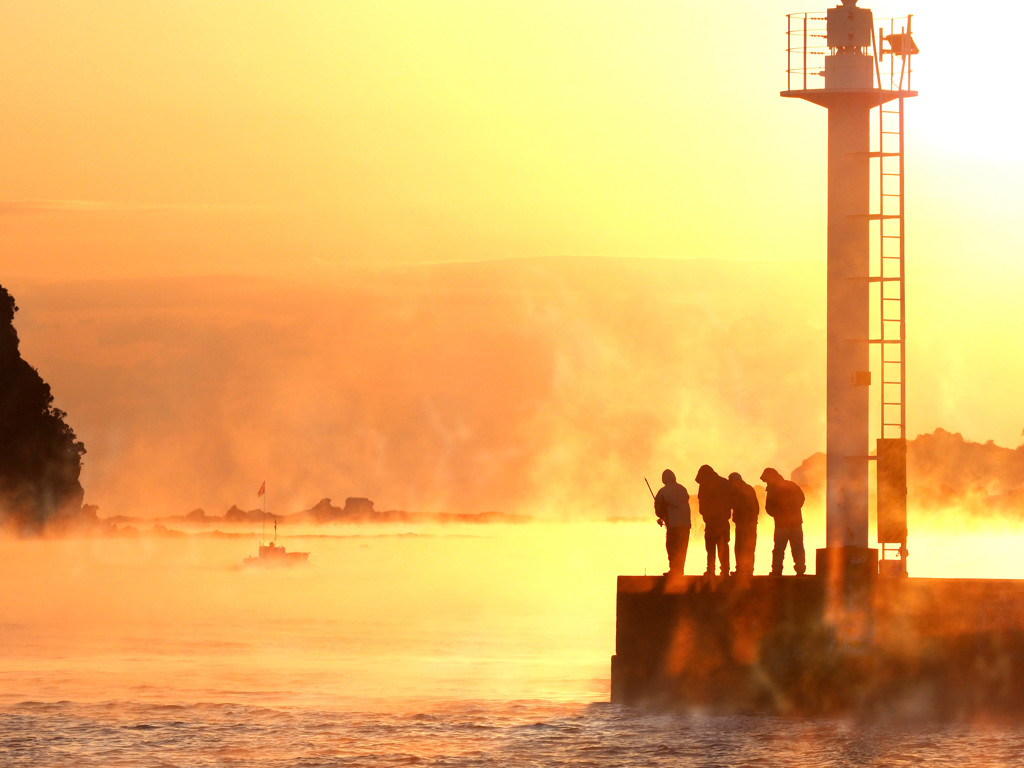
<point x="356" y="506"/>
<point x="40" y="457"/>
<point x="236" y="515"/>
<point x="322" y="512"/>
<point x="197" y="517"/>
<point x="356" y="510"/>
<point x="945" y="471"/>
<point x="810" y="476"/>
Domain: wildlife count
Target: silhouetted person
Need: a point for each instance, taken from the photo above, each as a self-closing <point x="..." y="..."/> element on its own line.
<point x="672" y="506"/>
<point x="783" y="502"/>
<point x="744" y="513"/>
<point x="714" y="497"/>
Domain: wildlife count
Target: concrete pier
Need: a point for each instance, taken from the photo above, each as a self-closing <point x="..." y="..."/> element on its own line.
<point x="895" y="646"/>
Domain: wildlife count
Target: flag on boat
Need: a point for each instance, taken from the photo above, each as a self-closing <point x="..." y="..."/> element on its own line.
<point x="263" y="488"/>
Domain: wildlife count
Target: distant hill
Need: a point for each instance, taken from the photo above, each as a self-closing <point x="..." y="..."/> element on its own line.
<point x="945" y="471"/>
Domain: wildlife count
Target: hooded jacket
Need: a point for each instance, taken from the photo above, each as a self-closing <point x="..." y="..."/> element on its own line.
<point x="744" y="504"/>
<point x="672" y="504"/>
<point x="714" y="498"/>
<point x="783" y="500"/>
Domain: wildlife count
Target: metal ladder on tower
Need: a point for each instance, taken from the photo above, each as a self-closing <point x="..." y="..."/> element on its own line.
<point x="892" y="313"/>
<point x="891" y="453"/>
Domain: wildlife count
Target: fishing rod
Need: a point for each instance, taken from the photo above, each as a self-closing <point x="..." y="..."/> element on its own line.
<point x="660" y="521"/>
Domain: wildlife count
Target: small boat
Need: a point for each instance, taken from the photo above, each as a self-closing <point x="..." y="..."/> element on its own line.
<point x="274" y="554"/>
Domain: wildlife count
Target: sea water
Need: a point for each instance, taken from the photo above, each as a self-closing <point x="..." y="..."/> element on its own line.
<point x="465" y="733"/>
<point x="395" y="645"/>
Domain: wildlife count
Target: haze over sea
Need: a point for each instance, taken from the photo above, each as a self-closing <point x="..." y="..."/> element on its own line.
<point x="395" y="645"/>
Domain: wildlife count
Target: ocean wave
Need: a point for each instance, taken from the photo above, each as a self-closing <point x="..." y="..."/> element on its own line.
<point x="457" y="733"/>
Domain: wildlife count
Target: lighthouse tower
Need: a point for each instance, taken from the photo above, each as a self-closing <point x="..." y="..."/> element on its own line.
<point x="851" y="84"/>
<point x="851" y="637"/>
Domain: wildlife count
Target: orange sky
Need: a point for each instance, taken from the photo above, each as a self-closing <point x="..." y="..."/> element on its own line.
<point x="269" y="140"/>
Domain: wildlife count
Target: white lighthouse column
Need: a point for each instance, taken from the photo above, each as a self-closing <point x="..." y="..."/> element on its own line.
<point x="848" y="365"/>
<point x="849" y="95"/>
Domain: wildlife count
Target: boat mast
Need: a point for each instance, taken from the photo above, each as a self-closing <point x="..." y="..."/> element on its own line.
<point x="262" y="493"/>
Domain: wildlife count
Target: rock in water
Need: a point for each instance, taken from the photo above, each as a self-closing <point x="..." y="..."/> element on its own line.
<point x="40" y="457"/>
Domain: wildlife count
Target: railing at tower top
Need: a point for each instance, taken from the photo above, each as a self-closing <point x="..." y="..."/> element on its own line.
<point x="806" y="48"/>
<point x="806" y="36"/>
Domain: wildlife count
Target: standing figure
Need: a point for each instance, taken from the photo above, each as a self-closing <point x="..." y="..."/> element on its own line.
<point x="672" y="507"/>
<point x="714" y="498"/>
<point x="783" y="502"/>
<point x="744" y="513"/>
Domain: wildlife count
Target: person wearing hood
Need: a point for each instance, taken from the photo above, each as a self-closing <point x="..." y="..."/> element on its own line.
<point x="783" y="502"/>
<point x="672" y="508"/>
<point x="744" y="513"/>
<point x="714" y="498"/>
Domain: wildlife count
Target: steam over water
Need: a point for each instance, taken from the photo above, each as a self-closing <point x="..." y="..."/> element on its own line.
<point x="433" y="645"/>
